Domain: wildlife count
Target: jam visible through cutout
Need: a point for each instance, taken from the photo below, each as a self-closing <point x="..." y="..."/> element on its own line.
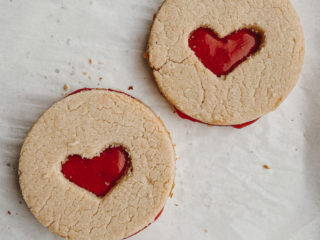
<point x="223" y="55"/>
<point x="99" y="174"/>
<point x="240" y="126"/>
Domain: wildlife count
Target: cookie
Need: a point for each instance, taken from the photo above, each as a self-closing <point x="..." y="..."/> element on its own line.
<point x="225" y="62"/>
<point x="97" y="165"/>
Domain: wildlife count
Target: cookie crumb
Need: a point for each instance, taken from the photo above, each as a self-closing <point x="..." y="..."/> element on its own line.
<point x="84" y="73"/>
<point x="100" y="62"/>
<point x="176" y="204"/>
<point x="206" y="230"/>
<point x="130" y="88"/>
<point x="90" y="61"/>
<point x="266" y="167"/>
<point x="297" y="149"/>
<point x="45" y="77"/>
<point x="66" y="87"/>
<point x="100" y="78"/>
<point x="9" y="213"/>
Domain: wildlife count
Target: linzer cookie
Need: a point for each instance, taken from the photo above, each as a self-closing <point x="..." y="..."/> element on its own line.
<point x="225" y="62"/>
<point x="97" y="165"/>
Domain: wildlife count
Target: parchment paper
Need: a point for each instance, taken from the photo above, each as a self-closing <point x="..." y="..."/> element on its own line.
<point x="222" y="190"/>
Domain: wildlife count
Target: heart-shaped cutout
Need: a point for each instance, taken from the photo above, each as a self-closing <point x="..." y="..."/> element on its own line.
<point x="222" y="55"/>
<point x="99" y="174"/>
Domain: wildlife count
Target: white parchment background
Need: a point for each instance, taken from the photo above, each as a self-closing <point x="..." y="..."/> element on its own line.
<point x="222" y="190"/>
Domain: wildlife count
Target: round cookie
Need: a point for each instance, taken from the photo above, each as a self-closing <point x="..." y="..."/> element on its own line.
<point x="185" y="32"/>
<point x="70" y="153"/>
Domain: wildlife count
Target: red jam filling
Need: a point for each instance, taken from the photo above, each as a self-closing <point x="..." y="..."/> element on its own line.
<point x="159" y="214"/>
<point x="89" y="89"/>
<point x="81" y="90"/>
<point x="185" y="116"/>
<point x="222" y="55"/>
<point x="99" y="174"/>
<point x="239" y="126"/>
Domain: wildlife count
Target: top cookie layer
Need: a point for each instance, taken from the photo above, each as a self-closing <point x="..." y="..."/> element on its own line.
<point x="86" y="123"/>
<point x="255" y="87"/>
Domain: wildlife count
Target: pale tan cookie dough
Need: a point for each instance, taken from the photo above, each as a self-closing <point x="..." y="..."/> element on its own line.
<point x="86" y="123"/>
<point x="255" y="87"/>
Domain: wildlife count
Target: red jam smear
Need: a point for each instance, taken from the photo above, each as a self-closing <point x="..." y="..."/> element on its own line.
<point x="99" y="174"/>
<point x="223" y="55"/>
<point x="239" y="126"/>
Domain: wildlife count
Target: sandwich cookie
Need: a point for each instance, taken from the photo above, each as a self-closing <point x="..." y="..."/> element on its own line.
<point x="225" y="62"/>
<point x="98" y="164"/>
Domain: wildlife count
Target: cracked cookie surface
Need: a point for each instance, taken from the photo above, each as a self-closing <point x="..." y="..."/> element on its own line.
<point x="85" y="124"/>
<point x="252" y="89"/>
